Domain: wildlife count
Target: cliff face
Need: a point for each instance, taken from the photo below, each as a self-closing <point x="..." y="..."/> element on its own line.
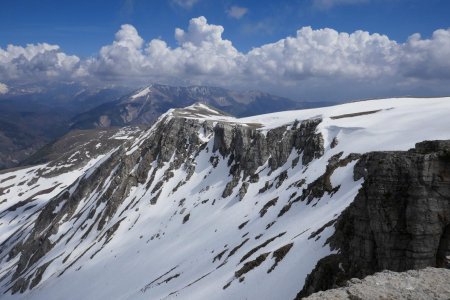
<point x="400" y="219"/>
<point x="248" y="149"/>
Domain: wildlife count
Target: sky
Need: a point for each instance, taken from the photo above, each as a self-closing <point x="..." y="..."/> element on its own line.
<point x="303" y="49"/>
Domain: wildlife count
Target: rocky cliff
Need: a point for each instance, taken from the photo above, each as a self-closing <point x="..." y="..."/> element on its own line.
<point x="399" y="220"/>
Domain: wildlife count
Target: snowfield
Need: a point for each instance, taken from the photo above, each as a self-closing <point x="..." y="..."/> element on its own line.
<point x="192" y="243"/>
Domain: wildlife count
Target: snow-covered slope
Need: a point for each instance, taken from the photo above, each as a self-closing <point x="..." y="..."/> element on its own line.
<point x="200" y="206"/>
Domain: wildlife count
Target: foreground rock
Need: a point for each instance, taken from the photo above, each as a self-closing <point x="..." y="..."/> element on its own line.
<point x="429" y="283"/>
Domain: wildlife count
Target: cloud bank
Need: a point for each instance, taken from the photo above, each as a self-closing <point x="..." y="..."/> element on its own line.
<point x="36" y="62"/>
<point x="313" y="64"/>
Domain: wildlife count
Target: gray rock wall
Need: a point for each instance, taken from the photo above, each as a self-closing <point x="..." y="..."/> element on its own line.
<point x="400" y="219"/>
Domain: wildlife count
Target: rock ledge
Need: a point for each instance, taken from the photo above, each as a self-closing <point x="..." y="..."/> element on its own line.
<point x="429" y="283"/>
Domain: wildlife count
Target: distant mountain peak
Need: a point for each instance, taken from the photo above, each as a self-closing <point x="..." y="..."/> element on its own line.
<point x="199" y="110"/>
<point x="142" y="93"/>
<point x="146" y="104"/>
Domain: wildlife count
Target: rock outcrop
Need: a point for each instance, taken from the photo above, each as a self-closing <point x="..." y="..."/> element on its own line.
<point x="400" y="219"/>
<point x="429" y="283"/>
<point x="249" y="149"/>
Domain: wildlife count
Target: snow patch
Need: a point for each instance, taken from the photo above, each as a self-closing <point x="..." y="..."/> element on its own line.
<point x="142" y="93"/>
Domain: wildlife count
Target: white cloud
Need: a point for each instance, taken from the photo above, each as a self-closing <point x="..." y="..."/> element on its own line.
<point x="124" y="57"/>
<point x="199" y="31"/>
<point x="315" y="64"/>
<point x="201" y="54"/>
<point x="35" y="62"/>
<point x="187" y="4"/>
<point x="3" y="88"/>
<point x="325" y="53"/>
<point x="237" y="12"/>
<point x="327" y="4"/>
<point x="425" y="58"/>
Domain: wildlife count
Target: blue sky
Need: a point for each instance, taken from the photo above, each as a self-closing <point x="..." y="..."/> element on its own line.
<point x="82" y="27"/>
<point x="303" y="49"/>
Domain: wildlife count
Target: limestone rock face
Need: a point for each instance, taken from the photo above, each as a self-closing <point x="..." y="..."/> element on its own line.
<point x="429" y="283"/>
<point x="248" y="148"/>
<point x="400" y="219"/>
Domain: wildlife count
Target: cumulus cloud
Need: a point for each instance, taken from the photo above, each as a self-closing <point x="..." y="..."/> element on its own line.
<point x="123" y="56"/>
<point x="35" y="62"/>
<point x="3" y="88"/>
<point x="237" y="12"/>
<point x="325" y="53"/>
<point x="201" y="53"/>
<point x="313" y="64"/>
<point x="425" y="58"/>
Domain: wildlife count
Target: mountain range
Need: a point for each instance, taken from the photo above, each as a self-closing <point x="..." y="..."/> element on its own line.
<point x="33" y="117"/>
<point x="144" y="106"/>
<point x="30" y="117"/>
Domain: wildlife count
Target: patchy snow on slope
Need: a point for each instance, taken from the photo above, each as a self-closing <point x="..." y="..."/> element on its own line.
<point x="25" y="191"/>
